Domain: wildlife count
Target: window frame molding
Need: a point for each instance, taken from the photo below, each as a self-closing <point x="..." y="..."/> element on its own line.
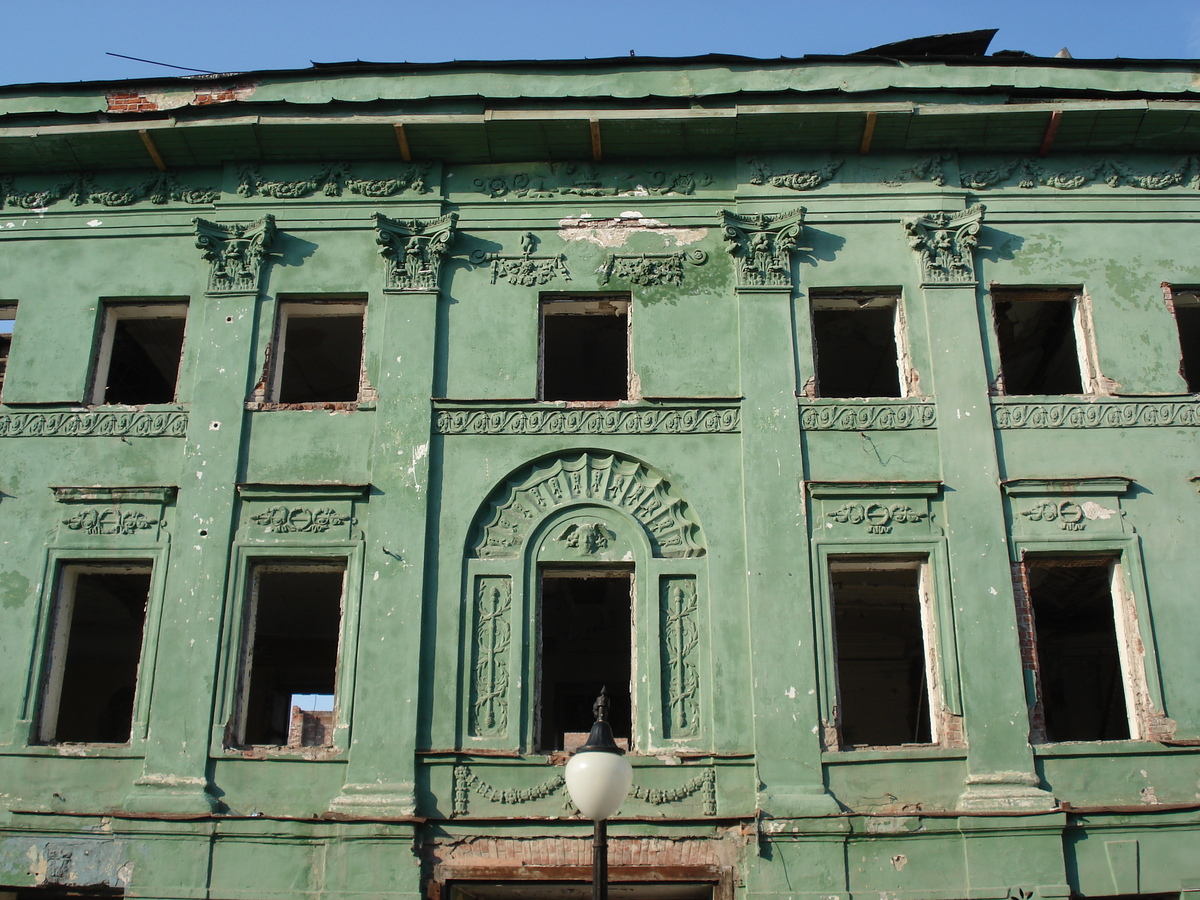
<point x="98" y="552"/>
<point x="552" y="298"/>
<point x="1083" y="326"/>
<point x="1134" y="622"/>
<point x="246" y="554"/>
<point x="831" y="298"/>
<point x="8" y="313"/>
<point x="266" y="393"/>
<point x="936" y="616"/>
<point x="108" y="312"/>
<point x="648" y="575"/>
<point x="927" y="541"/>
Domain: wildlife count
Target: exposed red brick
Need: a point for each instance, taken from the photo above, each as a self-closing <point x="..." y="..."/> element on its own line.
<point x="129" y="101"/>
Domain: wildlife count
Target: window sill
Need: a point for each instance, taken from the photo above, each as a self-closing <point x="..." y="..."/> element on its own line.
<point x="174" y="406"/>
<point x="901" y="753"/>
<point x="79" y="751"/>
<point x="322" y="406"/>
<point x="285" y="754"/>
<point x="1108" y="748"/>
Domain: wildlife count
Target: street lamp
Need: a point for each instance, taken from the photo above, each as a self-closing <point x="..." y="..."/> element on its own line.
<point x="598" y="779"/>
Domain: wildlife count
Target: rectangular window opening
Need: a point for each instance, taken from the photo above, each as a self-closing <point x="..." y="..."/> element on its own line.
<point x="140" y="348"/>
<point x="584" y="348"/>
<point x="881" y="615"/>
<point x="1040" y="335"/>
<point x="586" y="640"/>
<point x="95" y="651"/>
<point x="291" y="654"/>
<point x="8" y="319"/>
<point x="319" y="351"/>
<point x="858" y="343"/>
<point x="1081" y="680"/>
<point x="1187" y="318"/>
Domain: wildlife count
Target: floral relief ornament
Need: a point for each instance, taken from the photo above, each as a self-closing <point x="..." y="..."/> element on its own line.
<point x="946" y="245"/>
<point x="528" y="269"/>
<point x="762" y="246"/>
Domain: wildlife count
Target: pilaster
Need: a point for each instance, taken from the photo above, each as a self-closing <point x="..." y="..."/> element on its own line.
<point x="787" y="748"/>
<point x="1000" y="764"/>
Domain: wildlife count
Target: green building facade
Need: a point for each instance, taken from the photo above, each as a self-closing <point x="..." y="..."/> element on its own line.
<point x="838" y="413"/>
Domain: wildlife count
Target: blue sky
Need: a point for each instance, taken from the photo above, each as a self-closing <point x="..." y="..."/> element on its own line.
<point x="66" y="40"/>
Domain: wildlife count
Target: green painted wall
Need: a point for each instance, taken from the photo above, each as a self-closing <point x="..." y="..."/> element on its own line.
<point x="421" y="477"/>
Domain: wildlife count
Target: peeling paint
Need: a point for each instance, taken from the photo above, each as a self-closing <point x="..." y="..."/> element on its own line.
<point x="616" y="232"/>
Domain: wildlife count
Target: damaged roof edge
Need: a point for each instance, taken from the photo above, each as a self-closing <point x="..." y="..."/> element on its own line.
<point x="624" y="64"/>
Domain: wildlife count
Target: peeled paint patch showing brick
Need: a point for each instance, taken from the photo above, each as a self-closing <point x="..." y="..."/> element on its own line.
<point x="157" y="101"/>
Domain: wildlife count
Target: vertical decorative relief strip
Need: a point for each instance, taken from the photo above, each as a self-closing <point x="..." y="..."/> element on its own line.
<point x="680" y="669"/>
<point x="493" y="634"/>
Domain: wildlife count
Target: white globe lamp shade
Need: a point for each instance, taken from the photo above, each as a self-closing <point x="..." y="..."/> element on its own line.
<point x="598" y="782"/>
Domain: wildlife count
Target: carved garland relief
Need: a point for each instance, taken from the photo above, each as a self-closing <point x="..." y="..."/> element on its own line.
<point x="650" y="268"/>
<point x="467" y="782"/>
<point x="527" y="269"/>
<point x="876" y="518"/>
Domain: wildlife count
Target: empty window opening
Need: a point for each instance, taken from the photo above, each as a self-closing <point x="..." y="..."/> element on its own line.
<point x="585" y="348"/>
<point x="140" y="349"/>
<point x="1187" y="318"/>
<point x="319" y="352"/>
<point x="95" y="650"/>
<point x="290" y="660"/>
<point x="1081" y="689"/>
<point x="8" y="317"/>
<point x="880" y="613"/>
<point x="586" y="635"/>
<point x="1040" y="337"/>
<point x="857" y="341"/>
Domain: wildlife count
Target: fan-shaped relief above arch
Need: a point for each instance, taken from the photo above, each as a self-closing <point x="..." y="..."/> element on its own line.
<point x="515" y="508"/>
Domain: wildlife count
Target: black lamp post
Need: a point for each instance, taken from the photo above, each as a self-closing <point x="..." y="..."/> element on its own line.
<point x="598" y="779"/>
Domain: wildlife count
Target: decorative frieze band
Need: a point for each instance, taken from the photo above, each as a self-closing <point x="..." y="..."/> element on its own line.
<point x="1022" y="172"/>
<point x="1097" y="414"/>
<point x="878" y="416"/>
<point x="679" y="420"/>
<point x="585" y="180"/>
<point x="330" y="180"/>
<point x="159" y="188"/>
<point x="102" y="423"/>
